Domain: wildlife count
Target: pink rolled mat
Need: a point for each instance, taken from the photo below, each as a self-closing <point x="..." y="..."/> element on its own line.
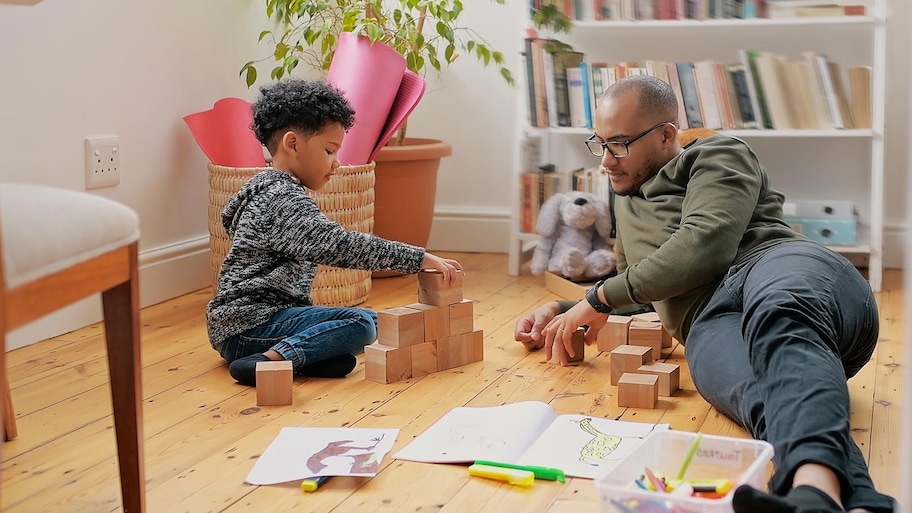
<point x="370" y="75"/>
<point x="410" y="92"/>
<point x="223" y="133"/>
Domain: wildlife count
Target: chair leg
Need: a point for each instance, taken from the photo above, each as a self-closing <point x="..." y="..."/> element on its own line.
<point x="121" y="319"/>
<point x="11" y="431"/>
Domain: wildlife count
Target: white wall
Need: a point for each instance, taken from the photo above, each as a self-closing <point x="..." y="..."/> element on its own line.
<point x="132" y="69"/>
<point x="62" y="79"/>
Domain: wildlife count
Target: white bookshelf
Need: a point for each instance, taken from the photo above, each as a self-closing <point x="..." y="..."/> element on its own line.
<point x="844" y="165"/>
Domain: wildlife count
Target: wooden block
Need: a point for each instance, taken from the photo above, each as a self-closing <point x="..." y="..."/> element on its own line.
<point x="436" y="320"/>
<point x="432" y="279"/>
<point x="638" y="390"/>
<point x="424" y="358"/>
<point x="669" y="376"/>
<point x="400" y="327"/>
<point x="385" y="364"/>
<point x="647" y="334"/>
<point x="613" y="333"/>
<point x="647" y="317"/>
<point x="273" y="383"/>
<point x="654" y="317"/>
<point x="667" y="340"/>
<point x="462" y="317"/>
<point x="626" y="359"/>
<point x="459" y="350"/>
<point x="432" y="290"/>
<point x="578" y="341"/>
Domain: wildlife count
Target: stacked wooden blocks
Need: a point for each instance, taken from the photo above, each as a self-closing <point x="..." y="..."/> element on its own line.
<point x="634" y="343"/>
<point x="436" y="333"/>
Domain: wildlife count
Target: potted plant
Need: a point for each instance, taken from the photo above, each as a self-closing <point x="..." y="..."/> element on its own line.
<point x="427" y="34"/>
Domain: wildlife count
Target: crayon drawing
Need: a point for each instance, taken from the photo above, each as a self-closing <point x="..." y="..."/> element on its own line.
<point x="302" y="452"/>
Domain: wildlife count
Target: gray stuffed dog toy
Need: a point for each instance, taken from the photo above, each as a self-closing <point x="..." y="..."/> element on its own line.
<point x="574" y="230"/>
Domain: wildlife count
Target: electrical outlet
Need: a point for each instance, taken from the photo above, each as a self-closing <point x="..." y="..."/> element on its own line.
<point x="102" y="159"/>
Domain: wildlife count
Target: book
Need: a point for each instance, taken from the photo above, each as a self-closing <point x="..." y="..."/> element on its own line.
<point x="773" y="91"/>
<point x="842" y="98"/>
<point x="689" y="92"/>
<point x="672" y="69"/>
<point x="755" y="88"/>
<point x="528" y="433"/>
<point x="530" y="82"/>
<point x="822" y="68"/>
<point x="860" y="93"/>
<point x="742" y="92"/>
<point x="575" y="97"/>
<point x="306" y="452"/>
<point x="563" y="60"/>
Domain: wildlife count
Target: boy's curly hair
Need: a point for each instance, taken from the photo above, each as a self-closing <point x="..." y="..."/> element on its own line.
<point x="300" y="105"/>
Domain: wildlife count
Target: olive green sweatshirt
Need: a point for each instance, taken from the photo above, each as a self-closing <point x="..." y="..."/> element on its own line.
<point x="709" y="208"/>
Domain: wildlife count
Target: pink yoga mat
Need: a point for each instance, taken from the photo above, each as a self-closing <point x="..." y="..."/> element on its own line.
<point x="410" y="92"/>
<point x="223" y="133"/>
<point x="370" y="76"/>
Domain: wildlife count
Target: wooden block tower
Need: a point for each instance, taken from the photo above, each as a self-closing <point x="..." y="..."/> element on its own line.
<point x="633" y="369"/>
<point x="436" y="333"/>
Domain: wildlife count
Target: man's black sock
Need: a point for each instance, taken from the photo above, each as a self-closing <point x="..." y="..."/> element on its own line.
<point x="801" y="499"/>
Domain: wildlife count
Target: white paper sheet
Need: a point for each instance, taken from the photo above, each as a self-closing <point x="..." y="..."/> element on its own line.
<point x="303" y="452"/>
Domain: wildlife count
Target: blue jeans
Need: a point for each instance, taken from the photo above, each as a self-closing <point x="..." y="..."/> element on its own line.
<point x="773" y="350"/>
<point x="306" y="335"/>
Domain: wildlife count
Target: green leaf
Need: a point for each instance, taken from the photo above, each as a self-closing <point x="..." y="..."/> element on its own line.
<point x="505" y="73"/>
<point x="263" y="34"/>
<point x="251" y="75"/>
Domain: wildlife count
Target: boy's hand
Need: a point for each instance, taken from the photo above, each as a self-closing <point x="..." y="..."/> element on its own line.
<point x="446" y="266"/>
<point x="529" y="327"/>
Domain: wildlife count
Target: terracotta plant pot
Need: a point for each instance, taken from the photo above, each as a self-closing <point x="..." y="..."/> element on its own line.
<point x="405" y="190"/>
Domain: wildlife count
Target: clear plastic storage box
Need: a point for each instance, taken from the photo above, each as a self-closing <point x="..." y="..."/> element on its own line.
<point x="740" y="460"/>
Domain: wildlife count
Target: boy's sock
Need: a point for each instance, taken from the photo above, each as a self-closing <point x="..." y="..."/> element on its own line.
<point x="335" y="367"/>
<point x="801" y="499"/>
<point x="244" y="369"/>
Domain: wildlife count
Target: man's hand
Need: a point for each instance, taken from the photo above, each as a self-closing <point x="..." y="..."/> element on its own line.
<point x="529" y="327"/>
<point x="559" y="332"/>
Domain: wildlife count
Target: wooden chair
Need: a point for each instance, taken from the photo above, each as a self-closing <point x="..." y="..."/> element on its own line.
<point x="57" y="247"/>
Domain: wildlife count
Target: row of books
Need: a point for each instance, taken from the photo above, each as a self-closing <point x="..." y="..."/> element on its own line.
<point x="633" y="10"/>
<point x="762" y="90"/>
<point x="538" y="186"/>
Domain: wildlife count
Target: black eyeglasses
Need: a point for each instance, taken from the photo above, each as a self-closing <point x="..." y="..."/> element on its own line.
<point x="618" y="149"/>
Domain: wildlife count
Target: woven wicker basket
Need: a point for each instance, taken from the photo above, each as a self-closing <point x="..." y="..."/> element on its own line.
<point x="348" y="199"/>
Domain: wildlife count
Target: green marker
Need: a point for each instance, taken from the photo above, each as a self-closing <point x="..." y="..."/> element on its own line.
<point x="548" y="474"/>
<point x="691" y="452"/>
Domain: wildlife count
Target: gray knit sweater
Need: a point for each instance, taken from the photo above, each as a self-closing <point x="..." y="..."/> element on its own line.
<point x="279" y="236"/>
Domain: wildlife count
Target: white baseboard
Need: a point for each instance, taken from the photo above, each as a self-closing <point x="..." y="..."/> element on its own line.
<point x="470" y="230"/>
<point x="164" y="273"/>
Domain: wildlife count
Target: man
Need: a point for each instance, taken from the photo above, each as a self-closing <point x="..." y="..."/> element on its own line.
<point x="773" y="323"/>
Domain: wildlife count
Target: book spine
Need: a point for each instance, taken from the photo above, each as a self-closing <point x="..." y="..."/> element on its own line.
<point x="575" y="97"/>
<point x="689" y="93"/>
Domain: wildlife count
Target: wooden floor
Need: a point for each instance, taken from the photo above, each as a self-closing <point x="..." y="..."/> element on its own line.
<point x="203" y="431"/>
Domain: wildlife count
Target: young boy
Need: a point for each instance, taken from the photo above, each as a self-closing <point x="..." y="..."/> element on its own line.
<point x="262" y="308"/>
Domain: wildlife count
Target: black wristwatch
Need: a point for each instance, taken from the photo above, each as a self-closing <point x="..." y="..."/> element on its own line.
<point x="594" y="302"/>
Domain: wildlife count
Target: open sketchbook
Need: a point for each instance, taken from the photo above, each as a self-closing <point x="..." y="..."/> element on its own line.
<point x="528" y="433"/>
<point x="305" y="452"/>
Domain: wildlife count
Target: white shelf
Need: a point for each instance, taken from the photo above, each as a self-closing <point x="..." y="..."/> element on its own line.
<point x="803" y="164"/>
